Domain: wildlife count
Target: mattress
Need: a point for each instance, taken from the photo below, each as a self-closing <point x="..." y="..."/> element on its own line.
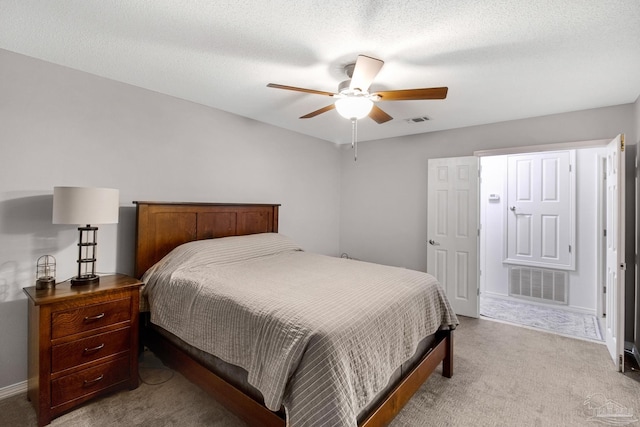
<point x="317" y="335"/>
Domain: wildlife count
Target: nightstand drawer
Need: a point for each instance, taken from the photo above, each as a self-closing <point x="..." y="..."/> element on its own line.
<point x="90" y="380"/>
<point x="90" y="317"/>
<point x="76" y="353"/>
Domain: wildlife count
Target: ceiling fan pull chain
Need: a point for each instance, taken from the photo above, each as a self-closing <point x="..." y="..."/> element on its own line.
<point x="354" y="138"/>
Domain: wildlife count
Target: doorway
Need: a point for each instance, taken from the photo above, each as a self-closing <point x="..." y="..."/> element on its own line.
<point x="567" y="285"/>
<point x="545" y="288"/>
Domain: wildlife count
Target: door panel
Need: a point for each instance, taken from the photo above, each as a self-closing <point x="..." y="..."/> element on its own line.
<point x="452" y="228"/>
<point x="524" y="235"/>
<point x="462" y="275"/>
<point x="550" y="235"/>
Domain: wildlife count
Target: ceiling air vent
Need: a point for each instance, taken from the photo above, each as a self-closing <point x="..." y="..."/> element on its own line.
<point x="418" y="119"/>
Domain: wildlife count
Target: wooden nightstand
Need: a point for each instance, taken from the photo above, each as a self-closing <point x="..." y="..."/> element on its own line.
<point x="83" y="342"/>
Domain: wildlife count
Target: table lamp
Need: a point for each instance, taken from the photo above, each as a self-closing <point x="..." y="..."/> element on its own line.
<point x="85" y="205"/>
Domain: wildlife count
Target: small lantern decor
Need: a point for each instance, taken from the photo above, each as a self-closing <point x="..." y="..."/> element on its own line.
<point x="46" y="272"/>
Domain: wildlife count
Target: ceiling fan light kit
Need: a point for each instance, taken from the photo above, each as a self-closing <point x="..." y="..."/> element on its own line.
<point x="353" y="100"/>
<point x="354" y="107"/>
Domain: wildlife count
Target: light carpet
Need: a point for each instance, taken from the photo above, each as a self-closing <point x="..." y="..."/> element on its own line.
<point x="548" y="318"/>
<point x="504" y="375"/>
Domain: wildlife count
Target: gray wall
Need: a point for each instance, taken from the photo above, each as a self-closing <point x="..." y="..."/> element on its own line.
<point x="63" y="127"/>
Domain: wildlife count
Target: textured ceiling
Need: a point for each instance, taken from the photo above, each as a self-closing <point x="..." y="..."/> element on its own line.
<point x="502" y="60"/>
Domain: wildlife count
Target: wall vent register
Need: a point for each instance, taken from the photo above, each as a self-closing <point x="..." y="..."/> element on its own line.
<point x="539" y="283"/>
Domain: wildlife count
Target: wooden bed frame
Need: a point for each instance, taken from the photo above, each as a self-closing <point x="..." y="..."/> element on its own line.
<point x="163" y="226"/>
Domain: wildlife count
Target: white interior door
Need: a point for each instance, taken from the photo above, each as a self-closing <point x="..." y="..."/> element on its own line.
<point x="541" y="201"/>
<point x="452" y="230"/>
<point x="615" y="241"/>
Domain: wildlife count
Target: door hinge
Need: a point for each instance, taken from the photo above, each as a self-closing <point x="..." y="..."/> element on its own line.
<point x="604" y="289"/>
<point x="604" y="232"/>
<point x="569" y="248"/>
<point x="569" y="168"/>
<point x="622" y="142"/>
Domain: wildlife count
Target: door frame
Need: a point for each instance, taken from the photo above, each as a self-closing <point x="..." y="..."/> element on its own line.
<point x="559" y="146"/>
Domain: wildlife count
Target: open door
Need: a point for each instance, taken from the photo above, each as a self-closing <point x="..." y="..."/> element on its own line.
<point x="615" y="259"/>
<point x="452" y="230"/>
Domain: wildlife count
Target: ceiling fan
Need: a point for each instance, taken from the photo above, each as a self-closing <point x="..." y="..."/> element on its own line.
<point x="353" y="100"/>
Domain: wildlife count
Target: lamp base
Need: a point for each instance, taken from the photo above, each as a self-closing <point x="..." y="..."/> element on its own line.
<point x="46" y="282"/>
<point x="85" y="279"/>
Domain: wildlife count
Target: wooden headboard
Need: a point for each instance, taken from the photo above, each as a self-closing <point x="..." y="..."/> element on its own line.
<point x="161" y="226"/>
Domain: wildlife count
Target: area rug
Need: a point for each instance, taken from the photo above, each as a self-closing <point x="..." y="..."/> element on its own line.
<point x="548" y="318"/>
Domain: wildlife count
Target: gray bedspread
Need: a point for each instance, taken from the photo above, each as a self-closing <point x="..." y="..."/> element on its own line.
<point x="318" y="335"/>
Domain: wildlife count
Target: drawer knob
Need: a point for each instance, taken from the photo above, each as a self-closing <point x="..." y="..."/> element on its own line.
<point x="89" y="383"/>
<point x="94" y="349"/>
<point x="94" y="318"/>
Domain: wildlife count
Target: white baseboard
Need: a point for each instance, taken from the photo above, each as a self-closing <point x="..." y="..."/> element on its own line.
<point x="12" y="390"/>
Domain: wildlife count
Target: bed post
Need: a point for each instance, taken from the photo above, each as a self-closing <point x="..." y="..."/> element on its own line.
<point x="447" y="362"/>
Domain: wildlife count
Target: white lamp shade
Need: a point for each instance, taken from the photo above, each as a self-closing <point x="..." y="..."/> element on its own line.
<point x="354" y="107"/>
<point x="84" y="205"/>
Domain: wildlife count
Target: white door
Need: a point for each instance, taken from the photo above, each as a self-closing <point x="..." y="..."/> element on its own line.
<point x="452" y="230"/>
<point x="541" y="202"/>
<point x="615" y="265"/>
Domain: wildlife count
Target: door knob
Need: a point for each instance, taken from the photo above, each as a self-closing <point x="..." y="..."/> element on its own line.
<point x="433" y="242"/>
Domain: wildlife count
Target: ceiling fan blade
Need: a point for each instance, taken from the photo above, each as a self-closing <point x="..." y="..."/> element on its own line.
<point x="300" y="89"/>
<point x="413" y="94"/>
<point x="378" y="115"/>
<point x="365" y="70"/>
<point x="320" y="111"/>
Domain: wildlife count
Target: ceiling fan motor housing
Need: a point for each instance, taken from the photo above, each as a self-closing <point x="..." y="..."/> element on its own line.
<point x="348" y="69"/>
<point x="343" y="87"/>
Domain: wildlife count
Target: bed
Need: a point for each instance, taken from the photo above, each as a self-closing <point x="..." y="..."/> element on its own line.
<point x="302" y="367"/>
